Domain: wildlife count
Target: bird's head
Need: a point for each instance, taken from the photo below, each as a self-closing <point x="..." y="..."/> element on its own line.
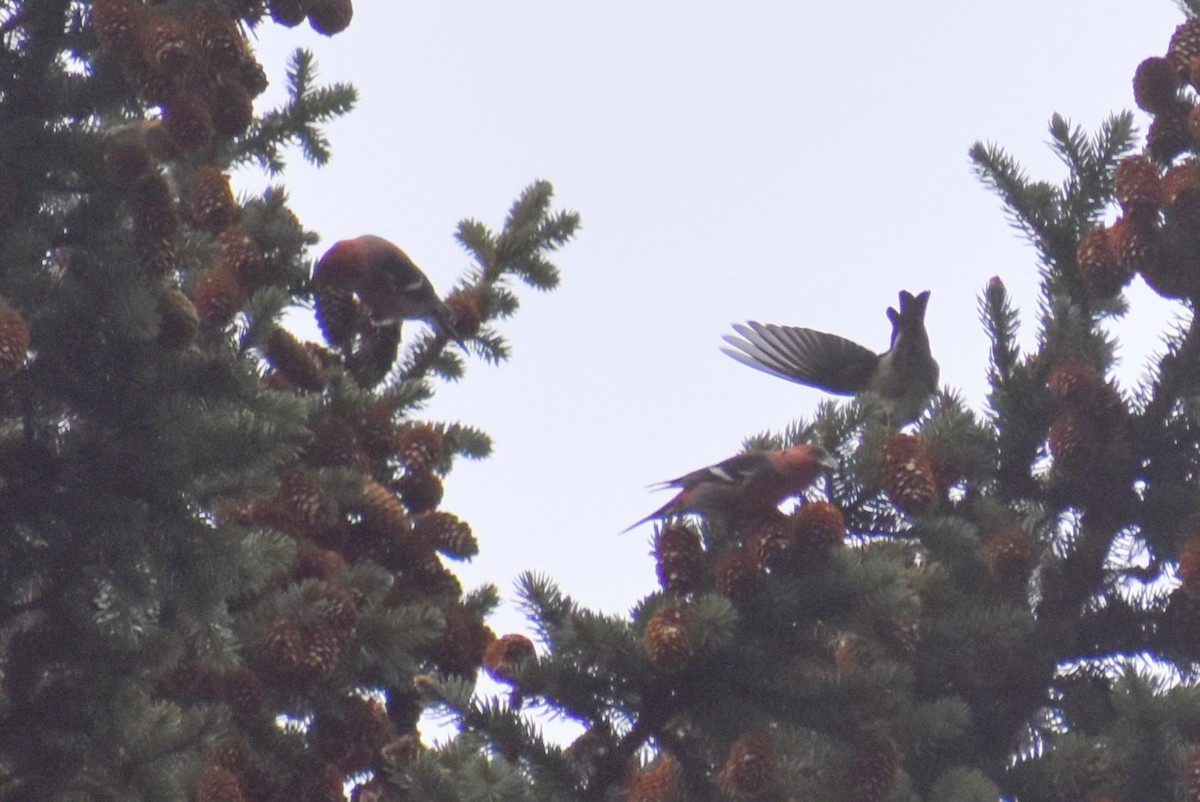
<point x="807" y="457"/>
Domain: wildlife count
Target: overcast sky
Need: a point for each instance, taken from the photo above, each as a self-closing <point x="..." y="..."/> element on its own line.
<point x="789" y="162"/>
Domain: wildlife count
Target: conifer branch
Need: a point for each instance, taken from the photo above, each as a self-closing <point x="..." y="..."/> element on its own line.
<point x="298" y="120"/>
<point x="530" y="231"/>
<point x="1029" y="205"/>
<point x="1000" y="318"/>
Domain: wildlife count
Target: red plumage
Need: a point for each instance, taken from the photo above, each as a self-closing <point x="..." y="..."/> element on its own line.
<point x="750" y="484"/>
<point x="385" y="279"/>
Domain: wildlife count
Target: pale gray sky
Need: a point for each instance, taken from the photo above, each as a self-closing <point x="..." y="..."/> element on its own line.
<point x="789" y="162"/>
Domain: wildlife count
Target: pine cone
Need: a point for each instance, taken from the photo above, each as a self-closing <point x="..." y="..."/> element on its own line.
<point x="322" y="648"/>
<point x="751" y="769"/>
<point x="1168" y="135"/>
<point x="377" y="431"/>
<point x="422" y="491"/>
<point x="592" y="746"/>
<point x="155" y="223"/>
<point x="128" y="162"/>
<point x="872" y="770"/>
<point x="1156" y="85"/>
<point x="218" y="38"/>
<point x="301" y="500"/>
<point x="179" y="319"/>
<point x="661" y="783"/>
<point x="283" y="645"/>
<point x="187" y="122"/>
<point x="1191" y="776"/>
<point x="335" y="442"/>
<point x="1098" y="265"/>
<point x="217" y="784"/>
<point x="435" y="583"/>
<point x="241" y="256"/>
<point x="463" y="643"/>
<point x="244" y="692"/>
<point x="1184" y="45"/>
<point x="340" y="611"/>
<point x="451" y="536"/>
<point x="1193" y="125"/>
<point x="820" y="526"/>
<point x="774" y="544"/>
<point x="1080" y="387"/>
<point x="117" y="24"/>
<point x="165" y="43"/>
<point x="14" y="342"/>
<point x="289" y="13"/>
<point x="1189" y="567"/>
<point x="502" y="655"/>
<point x="296" y="363"/>
<point x="1074" y="441"/>
<point x="1181" y="624"/>
<point x="849" y="653"/>
<point x="187" y="682"/>
<point x="156" y="88"/>
<point x="1138" y="188"/>
<point x="336" y="742"/>
<point x="415" y="552"/>
<point x="1193" y="76"/>
<point x="383" y="512"/>
<point x="233" y="754"/>
<point x="218" y="297"/>
<point x="1011" y="557"/>
<point x="152" y="207"/>
<point x="330" y="17"/>
<point x="210" y="204"/>
<point x="668" y="640"/>
<point x="1181" y="192"/>
<point x="1175" y="272"/>
<point x="404" y="749"/>
<point x="231" y="108"/>
<point x="322" y="782"/>
<point x="908" y="478"/>
<point x="1134" y="243"/>
<point x="466" y="317"/>
<point x="337" y="316"/>
<point x="374" y="790"/>
<point x="368" y="719"/>
<point x="419" y="448"/>
<point x="679" y="558"/>
<point x="318" y="563"/>
<point x="252" y="77"/>
<point x="737" y="574"/>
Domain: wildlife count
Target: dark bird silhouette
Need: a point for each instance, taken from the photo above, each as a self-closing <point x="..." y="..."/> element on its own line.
<point x="750" y="484"/>
<point x="388" y="283"/>
<point x="902" y="377"/>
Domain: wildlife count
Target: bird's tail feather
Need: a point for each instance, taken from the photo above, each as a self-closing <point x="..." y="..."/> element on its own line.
<point x="669" y="508"/>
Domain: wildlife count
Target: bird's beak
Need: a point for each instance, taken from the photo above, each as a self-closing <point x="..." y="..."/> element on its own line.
<point x="829" y="462"/>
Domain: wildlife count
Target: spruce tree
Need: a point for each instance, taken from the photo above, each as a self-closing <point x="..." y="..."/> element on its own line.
<point x="993" y="604"/>
<point x="223" y="564"/>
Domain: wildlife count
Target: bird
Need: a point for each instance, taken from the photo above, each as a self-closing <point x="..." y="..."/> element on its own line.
<point x="387" y="282"/>
<point x="902" y="377"/>
<point x="750" y="484"/>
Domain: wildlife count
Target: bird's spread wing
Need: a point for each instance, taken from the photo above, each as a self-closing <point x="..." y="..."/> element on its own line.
<point x="814" y="358"/>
